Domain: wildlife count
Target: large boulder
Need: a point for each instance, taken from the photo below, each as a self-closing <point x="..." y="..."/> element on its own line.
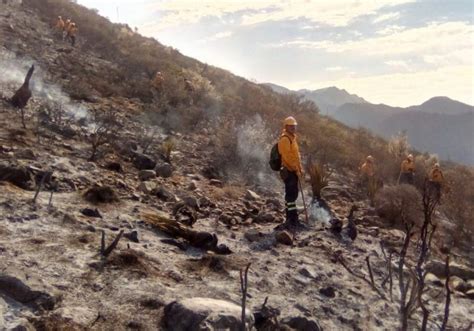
<point x="164" y="170"/>
<point x="17" y="175"/>
<point x="143" y="162"/>
<point x="20" y="292"/>
<point x="302" y="324"/>
<point x="438" y="268"/>
<point x="204" y="314"/>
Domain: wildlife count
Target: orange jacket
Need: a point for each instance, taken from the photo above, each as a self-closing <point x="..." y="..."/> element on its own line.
<point x="436" y="175"/>
<point x="290" y="152"/>
<point x="60" y="24"/>
<point x="407" y="166"/>
<point x="72" y="30"/>
<point x="367" y="169"/>
<point x="67" y="25"/>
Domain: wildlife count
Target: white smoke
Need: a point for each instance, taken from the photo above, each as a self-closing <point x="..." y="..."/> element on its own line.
<point x="319" y="214"/>
<point x="12" y="76"/>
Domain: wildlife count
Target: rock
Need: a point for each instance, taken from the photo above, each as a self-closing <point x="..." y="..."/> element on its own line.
<point x="132" y="236"/>
<point x="251" y="195"/>
<point x="17" y="175"/>
<point x="101" y="194"/>
<point x="26" y="154"/>
<point x="191" y="202"/>
<point x="328" y="292"/>
<point x="164" y="194"/>
<point x="146" y="187"/>
<point x="438" y="268"/>
<point x="470" y="284"/>
<point x="18" y="291"/>
<point x="164" y="170"/>
<point x="301" y="324"/>
<point x="308" y="272"/>
<point x="216" y="182"/>
<point x="192" y="185"/>
<point x="283" y="237"/>
<point x="457" y="284"/>
<point x="204" y="314"/>
<point x="470" y="294"/>
<point x="143" y="162"/>
<point x="145" y="175"/>
<point x="114" y="166"/>
<point x="433" y="280"/>
<point x="264" y="217"/>
<point x="89" y="212"/>
<point x="253" y="235"/>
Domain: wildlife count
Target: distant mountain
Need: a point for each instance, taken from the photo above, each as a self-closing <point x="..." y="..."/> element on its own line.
<point x="440" y="125"/>
<point x="330" y="98"/>
<point x="443" y="105"/>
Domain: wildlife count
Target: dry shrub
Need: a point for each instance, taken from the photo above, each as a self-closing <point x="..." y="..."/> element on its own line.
<point x="319" y="176"/>
<point x="167" y="148"/>
<point x="399" y="205"/>
<point x="458" y="206"/>
<point x="101" y="194"/>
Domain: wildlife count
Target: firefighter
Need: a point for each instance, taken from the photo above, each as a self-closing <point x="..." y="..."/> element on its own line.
<point x="436" y="180"/>
<point x="71" y="33"/>
<point x="291" y="171"/>
<point x="158" y="81"/>
<point x="407" y="171"/>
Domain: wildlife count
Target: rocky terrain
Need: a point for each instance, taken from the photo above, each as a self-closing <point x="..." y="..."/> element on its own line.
<point x="183" y="233"/>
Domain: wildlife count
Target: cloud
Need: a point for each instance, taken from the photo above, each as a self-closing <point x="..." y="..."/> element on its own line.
<point x="386" y="17"/>
<point x="436" y="39"/>
<point x="333" y="13"/>
<point x="409" y="88"/>
<point x="217" y="36"/>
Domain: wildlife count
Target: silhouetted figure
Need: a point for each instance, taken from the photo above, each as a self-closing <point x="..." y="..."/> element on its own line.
<point x="336" y="226"/>
<point x="351" y="229"/>
<point x="21" y="97"/>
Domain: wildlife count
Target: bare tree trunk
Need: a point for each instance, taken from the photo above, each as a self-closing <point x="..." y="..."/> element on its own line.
<point x="448" y="297"/>
<point x="243" y="288"/>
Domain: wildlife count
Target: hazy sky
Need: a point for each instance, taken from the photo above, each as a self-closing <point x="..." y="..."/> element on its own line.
<point x="399" y="52"/>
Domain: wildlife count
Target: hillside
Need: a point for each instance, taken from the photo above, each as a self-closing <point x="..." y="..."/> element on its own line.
<point x="126" y="206"/>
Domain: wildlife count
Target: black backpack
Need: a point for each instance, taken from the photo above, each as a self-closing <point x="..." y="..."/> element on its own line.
<point x="275" y="157"/>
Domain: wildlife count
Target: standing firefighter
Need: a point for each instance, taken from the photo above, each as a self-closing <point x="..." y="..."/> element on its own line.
<point x="367" y="170"/>
<point x="407" y="171"/>
<point x="71" y="33"/>
<point x="291" y="170"/>
<point x="436" y="180"/>
<point x="59" y="26"/>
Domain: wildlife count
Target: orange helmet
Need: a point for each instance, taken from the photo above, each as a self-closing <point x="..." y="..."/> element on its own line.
<point x="436" y="165"/>
<point x="410" y="157"/>
<point x="290" y="121"/>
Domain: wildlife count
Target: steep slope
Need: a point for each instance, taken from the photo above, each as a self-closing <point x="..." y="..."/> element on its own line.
<point x="54" y="274"/>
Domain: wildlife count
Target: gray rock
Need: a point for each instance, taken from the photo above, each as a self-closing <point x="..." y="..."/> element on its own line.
<point x="26" y="154"/>
<point x="328" y="291"/>
<point x="145" y="175"/>
<point x="18" y="291"/>
<point x="302" y="324"/>
<point x="165" y="194"/>
<point x="204" y="314"/>
<point x="438" y="268"/>
<point x="458" y="284"/>
<point x="253" y="235"/>
<point x="251" y="195"/>
<point x="17" y="175"/>
<point x="191" y="202"/>
<point x="132" y="236"/>
<point x="143" y="162"/>
<point x="284" y="237"/>
<point x="308" y="272"/>
<point x="146" y="187"/>
<point x="164" y="170"/>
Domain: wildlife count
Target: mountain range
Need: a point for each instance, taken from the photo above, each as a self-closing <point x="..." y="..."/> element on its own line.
<point x="439" y="125"/>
